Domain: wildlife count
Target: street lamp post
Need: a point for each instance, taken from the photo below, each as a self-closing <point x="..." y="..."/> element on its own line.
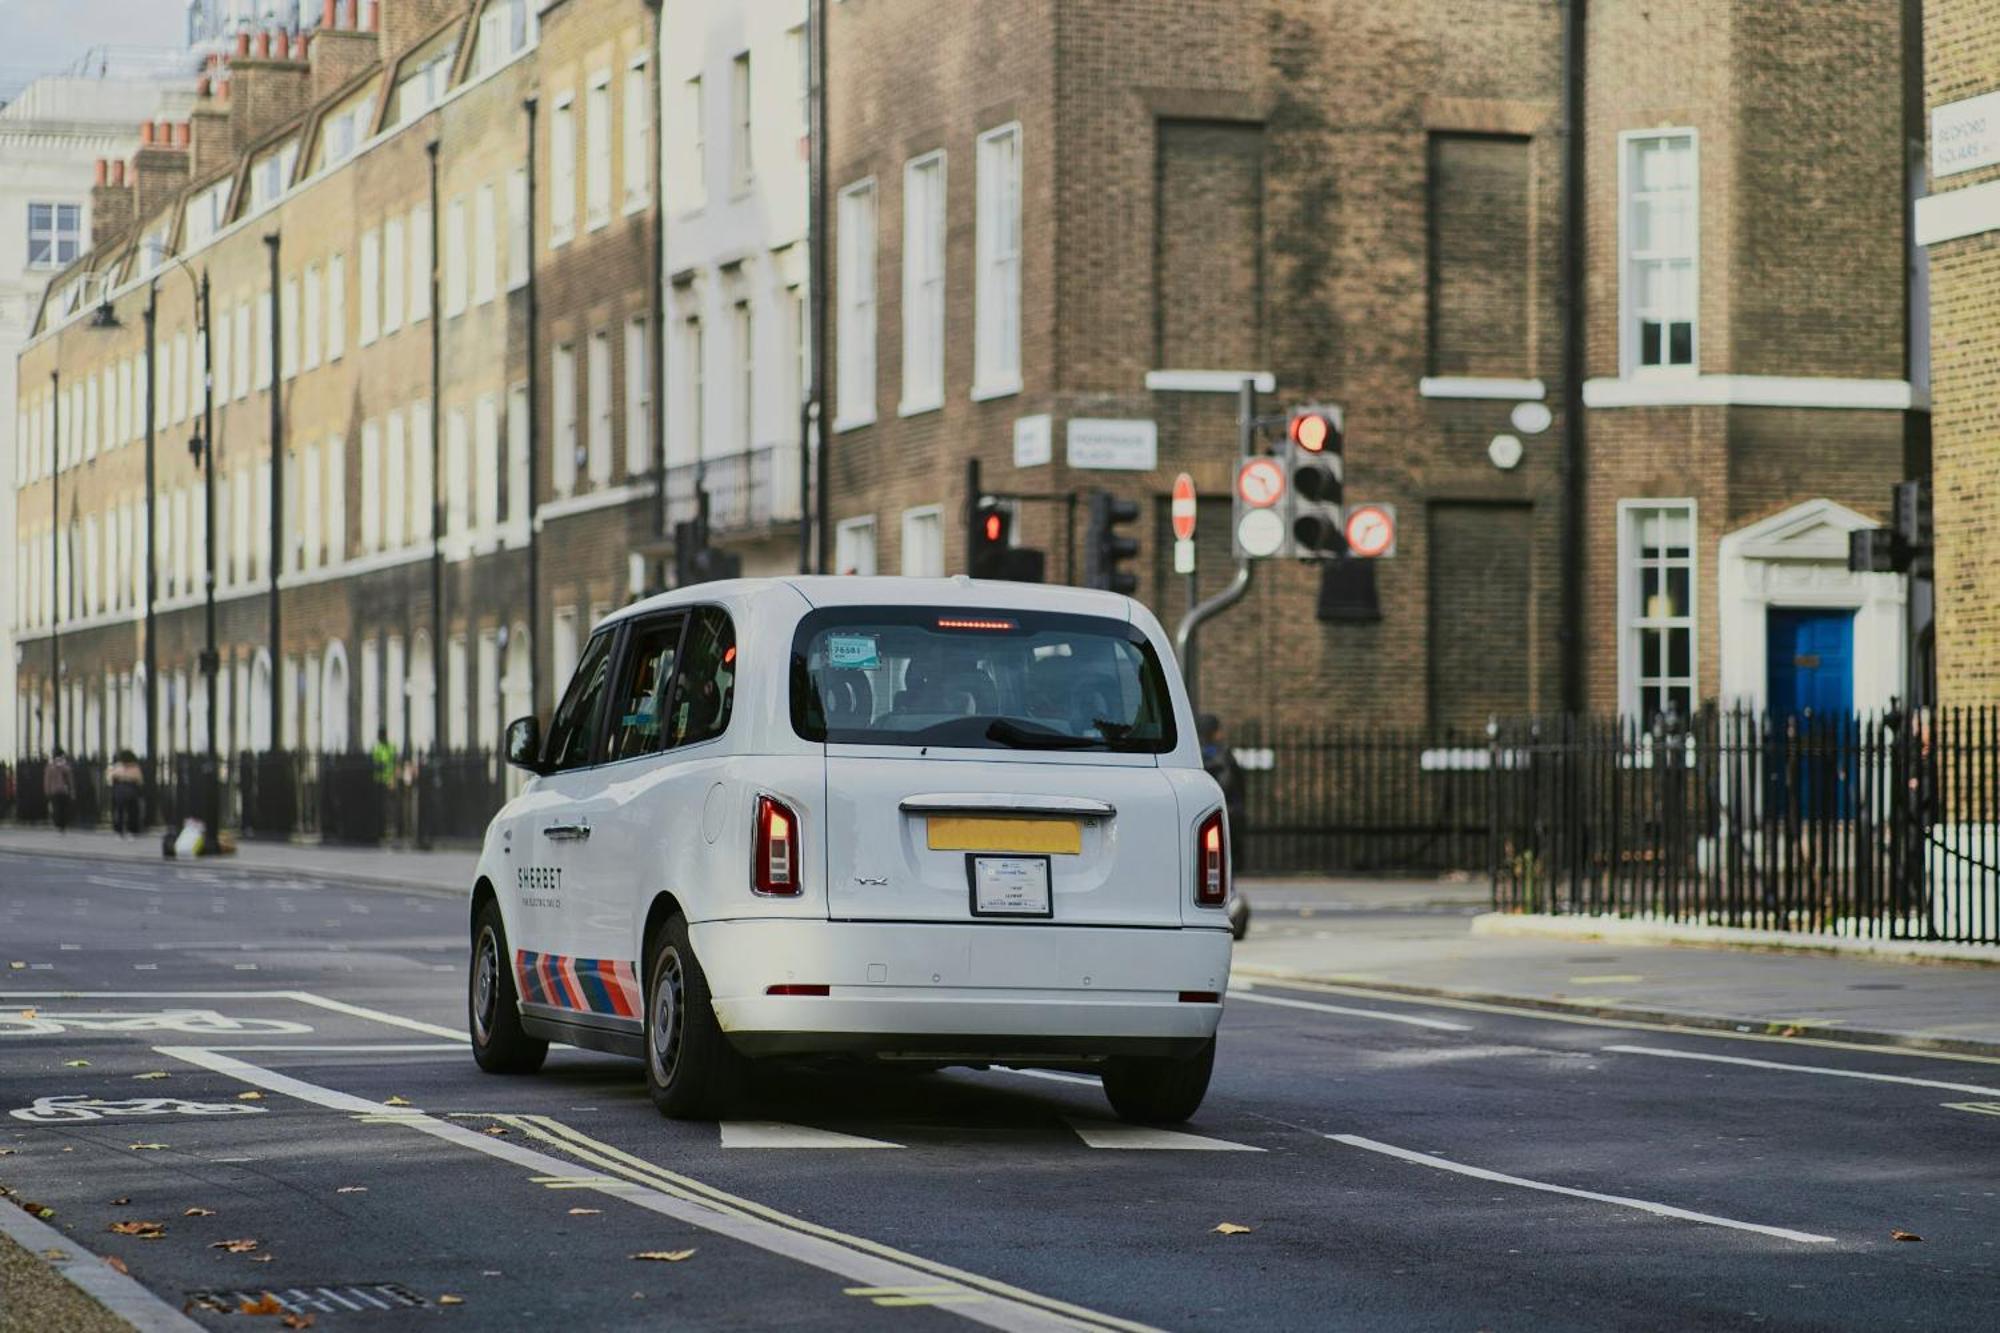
<point x="202" y="447"/>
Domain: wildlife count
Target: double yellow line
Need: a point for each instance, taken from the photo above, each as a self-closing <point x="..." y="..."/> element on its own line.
<point x="957" y="1287"/>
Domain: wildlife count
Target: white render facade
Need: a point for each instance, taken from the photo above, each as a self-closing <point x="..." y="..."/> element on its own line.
<point x="50" y="138"/>
<point x="737" y="329"/>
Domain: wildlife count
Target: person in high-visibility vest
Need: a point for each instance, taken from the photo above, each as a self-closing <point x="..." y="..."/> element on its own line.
<point x="383" y="757"/>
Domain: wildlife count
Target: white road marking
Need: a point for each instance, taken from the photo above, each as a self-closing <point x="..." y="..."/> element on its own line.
<point x="302" y="997"/>
<point x="1805" y="1069"/>
<point x="1052" y="1076"/>
<point x="1115" y="1134"/>
<point x="1977" y="1108"/>
<point x="1364" y="991"/>
<point x="696" y="1204"/>
<point x="1622" y="1201"/>
<point x="778" y="1134"/>
<point x="1413" y="1020"/>
<point x="392" y="1048"/>
<point x="104" y="881"/>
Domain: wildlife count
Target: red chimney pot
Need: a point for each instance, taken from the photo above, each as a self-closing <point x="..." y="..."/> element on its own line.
<point x="243" y="43"/>
<point x="118" y="172"/>
<point x="330" y="14"/>
<point x="145" y="132"/>
<point x="182" y="132"/>
<point x="374" y="15"/>
<point x="103" y="171"/>
<point x="201" y="86"/>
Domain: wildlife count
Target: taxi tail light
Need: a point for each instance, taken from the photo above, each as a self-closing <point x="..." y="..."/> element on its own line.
<point x="796" y="988"/>
<point x="1211" y="862"/>
<point x="774" y="859"/>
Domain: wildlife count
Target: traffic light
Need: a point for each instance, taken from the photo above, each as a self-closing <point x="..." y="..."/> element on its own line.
<point x="991" y="553"/>
<point x="1107" y="550"/>
<point x="695" y="561"/>
<point x="1316" y="473"/>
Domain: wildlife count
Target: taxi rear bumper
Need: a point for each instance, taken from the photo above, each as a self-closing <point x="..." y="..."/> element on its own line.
<point x="1032" y="993"/>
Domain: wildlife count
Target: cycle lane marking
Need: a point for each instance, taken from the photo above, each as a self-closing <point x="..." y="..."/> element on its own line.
<point x="1546" y="1187"/>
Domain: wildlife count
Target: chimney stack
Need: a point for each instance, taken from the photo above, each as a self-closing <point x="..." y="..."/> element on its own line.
<point x="111" y="205"/>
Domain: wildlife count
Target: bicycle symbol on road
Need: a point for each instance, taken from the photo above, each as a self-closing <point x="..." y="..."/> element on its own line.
<point x="190" y="1022"/>
<point x="69" y="1109"/>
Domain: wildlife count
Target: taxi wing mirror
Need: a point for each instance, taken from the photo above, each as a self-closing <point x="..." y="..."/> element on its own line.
<point x="524" y="744"/>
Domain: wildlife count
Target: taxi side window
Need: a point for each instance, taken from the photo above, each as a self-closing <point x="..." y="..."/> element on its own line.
<point x="574" y="732"/>
<point x="705" y="690"/>
<point x="651" y="651"/>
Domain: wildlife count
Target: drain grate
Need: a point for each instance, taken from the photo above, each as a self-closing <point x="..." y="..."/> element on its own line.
<point x="309" y="1300"/>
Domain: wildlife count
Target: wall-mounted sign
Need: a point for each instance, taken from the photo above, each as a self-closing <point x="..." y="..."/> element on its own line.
<point x="1965" y="135"/>
<point x="1034" y="441"/>
<point x="1123" y="445"/>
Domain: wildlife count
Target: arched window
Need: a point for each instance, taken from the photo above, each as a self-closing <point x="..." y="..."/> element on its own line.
<point x="333" y="734"/>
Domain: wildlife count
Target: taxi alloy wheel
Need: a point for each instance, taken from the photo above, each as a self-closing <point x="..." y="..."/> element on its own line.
<point x="493" y="1013"/>
<point x="692" y="1071"/>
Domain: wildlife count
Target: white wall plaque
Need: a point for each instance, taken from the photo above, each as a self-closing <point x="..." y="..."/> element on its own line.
<point x="1126" y="445"/>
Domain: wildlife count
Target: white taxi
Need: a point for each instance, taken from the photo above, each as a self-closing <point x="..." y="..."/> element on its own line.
<point x="933" y="821"/>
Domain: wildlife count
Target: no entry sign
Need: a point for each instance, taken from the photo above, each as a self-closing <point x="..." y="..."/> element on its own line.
<point x="1183" y="507"/>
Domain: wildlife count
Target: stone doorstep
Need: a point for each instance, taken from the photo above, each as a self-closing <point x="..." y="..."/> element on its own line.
<point x="1626" y="930"/>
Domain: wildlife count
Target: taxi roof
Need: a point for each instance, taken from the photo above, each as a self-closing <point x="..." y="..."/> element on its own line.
<point x="821" y="590"/>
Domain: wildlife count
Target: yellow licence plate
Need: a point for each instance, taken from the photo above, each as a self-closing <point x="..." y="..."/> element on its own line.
<point x="1004" y="833"/>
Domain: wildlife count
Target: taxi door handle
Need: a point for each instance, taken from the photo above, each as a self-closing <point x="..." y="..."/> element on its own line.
<point x="567" y="832"/>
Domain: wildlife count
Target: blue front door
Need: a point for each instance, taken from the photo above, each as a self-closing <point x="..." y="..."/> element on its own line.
<point x="1810" y="660"/>
<point x="1810" y="657"/>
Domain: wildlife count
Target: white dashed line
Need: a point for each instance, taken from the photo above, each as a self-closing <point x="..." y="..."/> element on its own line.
<point x="1349" y="1011"/>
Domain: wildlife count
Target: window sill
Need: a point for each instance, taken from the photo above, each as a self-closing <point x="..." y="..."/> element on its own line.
<point x="841" y="425"/>
<point x="1209" y="381"/>
<point x="908" y="409"/>
<point x="558" y="239"/>
<point x="1481" y="387"/>
<point x="982" y="393"/>
<point x="598" y="221"/>
<point x="1657" y="389"/>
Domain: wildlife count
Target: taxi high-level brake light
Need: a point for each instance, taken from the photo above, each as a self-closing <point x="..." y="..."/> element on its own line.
<point x="952" y="623"/>
<point x="774" y="860"/>
<point x="1211" y="869"/>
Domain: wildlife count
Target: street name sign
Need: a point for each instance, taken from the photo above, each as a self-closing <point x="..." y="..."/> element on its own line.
<point x="1117" y="445"/>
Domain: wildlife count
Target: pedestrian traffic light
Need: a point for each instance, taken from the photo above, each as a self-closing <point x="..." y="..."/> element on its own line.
<point x="1107" y="550"/>
<point x="1316" y="472"/>
<point x="990" y="549"/>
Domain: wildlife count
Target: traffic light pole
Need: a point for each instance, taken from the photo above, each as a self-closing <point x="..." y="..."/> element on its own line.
<point x="1185" y="644"/>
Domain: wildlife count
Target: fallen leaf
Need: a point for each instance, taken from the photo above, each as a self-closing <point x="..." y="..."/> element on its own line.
<point x="56" y="1256"/>
<point x="143" y="1230"/>
<point x="147" y="1147"/>
<point x="76" y="1064"/>
<point x="585" y="1212"/>
<point x="17" y="966"/>
<point x="397" y="1101"/>
<point x="198" y="1212"/>
<point x="33" y="1209"/>
<point x="497" y="1131"/>
<point x="352" y="1189"/>
<point x="150" y="1075"/>
<point x="242" y="1246"/>
<point x="451" y="1300"/>
<point x="267" y="1304"/>
<point x="6" y="1152"/>
<point x="116" y="1264"/>
<point x="1232" y="1229"/>
<point x="120" y="1202"/>
<point x="252" y="1096"/>
<point x="665" y="1256"/>
<point x="1904" y="1235"/>
<point x="297" y="1321"/>
<point x="262" y="1258"/>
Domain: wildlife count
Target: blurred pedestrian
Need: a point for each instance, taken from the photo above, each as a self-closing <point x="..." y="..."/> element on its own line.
<point x="59" y="785"/>
<point x="1220" y="762"/>
<point x="128" y="781"/>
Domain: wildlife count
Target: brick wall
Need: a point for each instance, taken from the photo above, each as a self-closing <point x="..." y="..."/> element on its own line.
<point x="1962" y="59"/>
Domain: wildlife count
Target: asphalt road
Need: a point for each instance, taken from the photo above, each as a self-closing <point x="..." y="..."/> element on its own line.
<point x="1398" y="1163"/>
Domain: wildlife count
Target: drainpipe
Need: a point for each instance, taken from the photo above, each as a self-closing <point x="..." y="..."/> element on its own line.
<point x="278" y="682"/>
<point x="814" y="544"/>
<point x="531" y="105"/>
<point x="1572" y="635"/>
<point x="656" y="374"/>
<point x="440" y="676"/>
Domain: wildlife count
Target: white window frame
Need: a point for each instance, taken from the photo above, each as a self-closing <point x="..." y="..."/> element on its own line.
<point x="694" y="166"/>
<point x="456" y="260"/>
<point x="638" y="396"/>
<point x="485" y="244"/>
<point x="743" y="351"/>
<point x="742" y="123"/>
<point x="371" y="287"/>
<point x="517" y="229"/>
<point x="1629" y="314"/>
<point x="597" y="151"/>
<point x="856" y="284"/>
<point x="1634" y="619"/>
<point x="638" y="134"/>
<point x="311" y="315"/>
<point x="55" y="236"/>
<point x="597" y="386"/>
<point x="912" y="519"/>
<point x="419" y="276"/>
<point x="395" y="278"/>
<point x="336" y="307"/>
<point x="848" y="536"/>
<point x="924" y="291"/>
<point x="996" y="356"/>
<point x="562" y="171"/>
<point x="562" y="404"/>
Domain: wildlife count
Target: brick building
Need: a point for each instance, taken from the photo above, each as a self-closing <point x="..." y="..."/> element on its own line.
<point x="357" y="201"/>
<point x="1050" y="217"/>
<point x="1959" y="223"/>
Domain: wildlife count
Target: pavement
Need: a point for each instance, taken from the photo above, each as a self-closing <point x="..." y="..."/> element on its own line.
<point x="268" y="1064"/>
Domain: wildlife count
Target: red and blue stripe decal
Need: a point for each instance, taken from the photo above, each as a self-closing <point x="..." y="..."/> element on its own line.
<point x="588" y="985"/>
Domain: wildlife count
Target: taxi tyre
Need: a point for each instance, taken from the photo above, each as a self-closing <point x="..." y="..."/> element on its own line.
<point x="499" y="1044"/>
<point x="692" y="1072"/>
<point x="1158" y="1089"/>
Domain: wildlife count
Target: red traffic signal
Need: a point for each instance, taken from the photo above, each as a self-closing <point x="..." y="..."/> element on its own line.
<point x="1313" y="432"/>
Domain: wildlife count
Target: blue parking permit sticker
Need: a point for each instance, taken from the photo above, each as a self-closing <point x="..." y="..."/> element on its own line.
<point x="854" y="652"/>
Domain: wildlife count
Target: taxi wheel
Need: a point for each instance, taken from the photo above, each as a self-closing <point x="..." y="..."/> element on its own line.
<point x="1158" y="1089"/>
<point x="692" y="1071"/>
<point x="493" y="1008"/>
